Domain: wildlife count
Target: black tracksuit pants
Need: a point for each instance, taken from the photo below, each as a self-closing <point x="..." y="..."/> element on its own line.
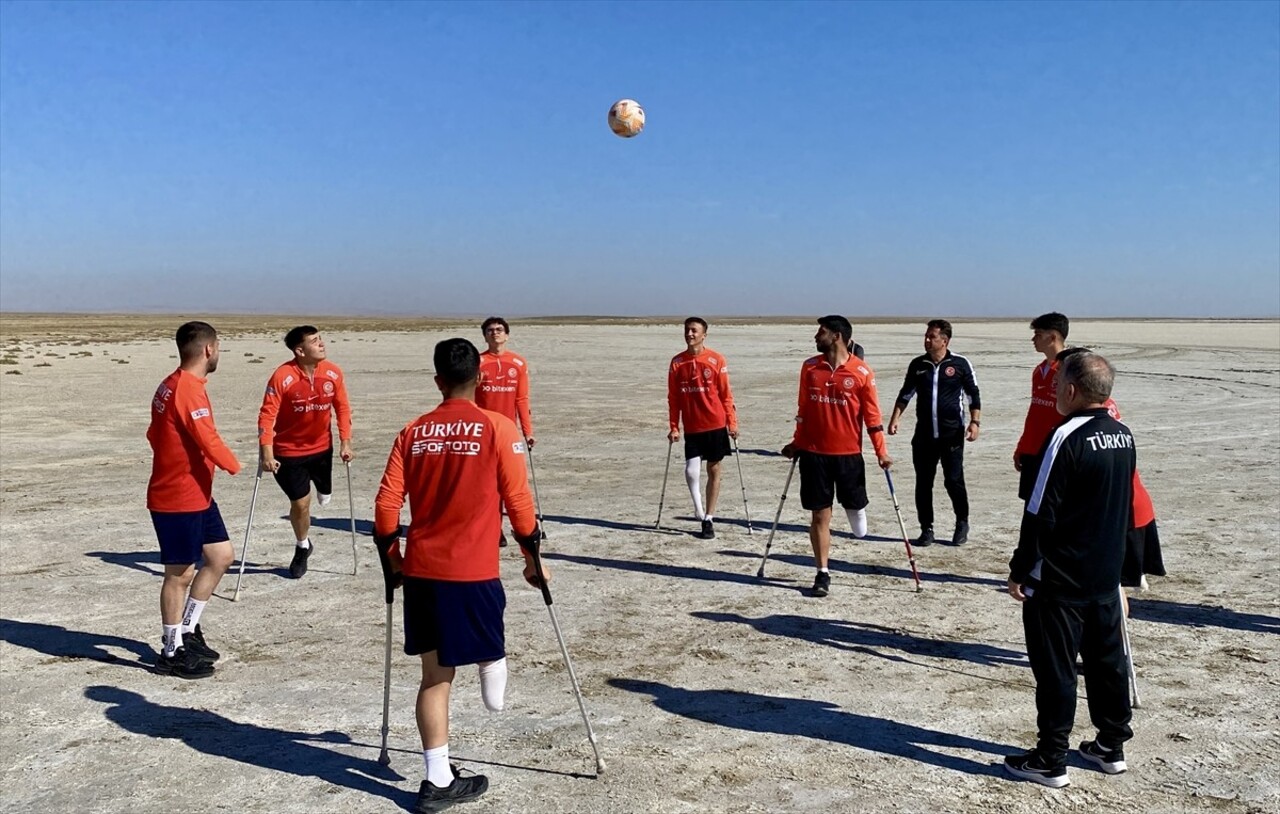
<point x="926" y="453"/>
<point x="1056" y="633"/>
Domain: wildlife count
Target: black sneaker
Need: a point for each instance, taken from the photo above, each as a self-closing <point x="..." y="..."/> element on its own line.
<point x="298" y="566"/>
<point x="1110" y="761"/>
<point x="821" y="584"/>
<point x="708" y="531"/>
<point x="925" y="539"/>
<point x="1031" y="766"/>
<point x="502" y="539"/>
<point x="183" y="664"/>
<point x="193" y="641"/>
<point x="433" y="798"/>
<point x="962" y="533"/>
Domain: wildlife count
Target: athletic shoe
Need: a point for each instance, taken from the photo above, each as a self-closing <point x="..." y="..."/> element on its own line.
<point x="323" y="500"/>
<point x="183" y="664"/>
<point x="925" y="538"/>
<point x="433" y="798"/>
<point x="962" y="533"/>
<point x="298" y="566"/>
<point x="502" y="539"/>
<point x="1031" y="766"/>
<point x="1110" y="761"/>
<point x="708" y="531"/>
<point x="821" y="584"/>
<point x="193" y="641"/>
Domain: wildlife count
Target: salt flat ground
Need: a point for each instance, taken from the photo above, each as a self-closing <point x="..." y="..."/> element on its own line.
<point x="709" y="690"/>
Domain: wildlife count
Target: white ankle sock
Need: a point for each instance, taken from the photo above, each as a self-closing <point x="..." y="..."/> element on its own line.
<point x="858" y="521"/>
<point x="692" y="474"/>
<point x="438" y="771"/>
<point x="305" y="542"/>
<point x="493" y="684"/>
<point x="172" y="640"/>
<point x="191" y="614"/>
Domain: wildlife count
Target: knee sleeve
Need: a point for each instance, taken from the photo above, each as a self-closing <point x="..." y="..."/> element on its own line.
<point x="857" y="521"/>
<point x="493" y="684"/>
<point x="692" y="474"/>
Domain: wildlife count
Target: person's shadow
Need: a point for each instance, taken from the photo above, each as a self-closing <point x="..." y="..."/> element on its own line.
<point x="295" y="753"/>
<point x="59" y="642"/>
<point x="821" y="720"/>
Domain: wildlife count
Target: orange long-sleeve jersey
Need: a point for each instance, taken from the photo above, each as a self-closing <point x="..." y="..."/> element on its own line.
<point x="1144" y="511"/>
<point x="698" y="392"/>
<point x="455" y="463"/>
<point x="834" y="405"/>
<point x="1042" y="414"/>
<point x="297" y="409"/>
<point x="185" y="446"/>
<point x="503" y="386"/>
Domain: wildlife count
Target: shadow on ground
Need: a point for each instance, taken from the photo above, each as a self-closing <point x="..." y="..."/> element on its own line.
<point x="1183" y="613"/>
<point x="59" y="642"/>
<point x="148" y="562"/>
<point x="839" y="566"/>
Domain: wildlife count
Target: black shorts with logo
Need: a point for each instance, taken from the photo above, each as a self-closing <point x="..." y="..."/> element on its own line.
<point x="461" y="621"/>
<point x="823" y="477"/>
<point x="710" y="446"/>
<point x="296" y="474"/>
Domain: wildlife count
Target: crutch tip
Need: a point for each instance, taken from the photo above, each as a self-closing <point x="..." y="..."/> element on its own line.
<point x="919" y="589"/>
<point x="384" y="759"/>
<point x="760" y="573"/>
<point x="599" y="766"/>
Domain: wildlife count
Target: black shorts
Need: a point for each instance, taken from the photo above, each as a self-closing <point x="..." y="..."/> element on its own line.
<point x="1142" y="555"/>
<point x="296" y="475"/>
<point x="823" y="477"/>
<point x="183" y="535"/>
<point x="1027" y="476"/>
<point x="710" y="446"/>
<point x="462" y="621"/>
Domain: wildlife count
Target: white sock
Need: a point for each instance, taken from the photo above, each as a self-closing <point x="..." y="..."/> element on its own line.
<point x="438" y="771"/>
<point x="305" y="542"/>
<point x="172" y="640"/>
<point x="692" y="474"/>
<point x="823" y="571"/>
<point x="323" y="499"/>
<point x="708" y="517"/>
<point x="493" y="684"/>
<point x="858" y="520"/>
<point x="191" y="614"/>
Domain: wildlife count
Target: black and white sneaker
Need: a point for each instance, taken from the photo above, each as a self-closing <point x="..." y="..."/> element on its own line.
<point x="1110" y="761"/>
<point x="925" y="539"/>
<point x="821" y="584"/>
<point x="183" y="664"/>
<point x="1030" y="766"/>
<point x="298" y="566"/>
<point x="433" y="798"/>
<point x="708" y="531"/>
<point x="193" y="641"/>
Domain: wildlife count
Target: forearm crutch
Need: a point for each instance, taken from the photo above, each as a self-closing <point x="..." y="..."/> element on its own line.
<point x="663" y="497"/>
<point x="248" y="527"/>
<point x="351" y="501"/>
<point x="911" y="557"/>
<point x="743" y="483"/>
<point x="777" y="515"/>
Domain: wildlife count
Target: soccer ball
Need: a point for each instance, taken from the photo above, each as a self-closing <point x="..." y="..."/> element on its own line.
<point x="626" y="118"/>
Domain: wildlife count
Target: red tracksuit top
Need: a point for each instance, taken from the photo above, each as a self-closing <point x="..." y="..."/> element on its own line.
<point x="1042" y="415"/>
<point x="503" y="387"/>
<point x="698" y="392"/>
<point x="834" y="405"/>
<point x="297" y="409"/>
<point x="185" y="446"/>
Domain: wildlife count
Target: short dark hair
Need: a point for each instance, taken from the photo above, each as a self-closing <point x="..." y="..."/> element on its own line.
<point x="942" y="325"/>
<point x="296" y="336"/>
<point x="484" y="326"/>
<point x="698" y="320"/>
<point x="191" y="338"/>
<point x="1090" y="372"/>
<point x="457" y="361"/>
<point x="1052" y="321"/>
<point x="838" y="324"/>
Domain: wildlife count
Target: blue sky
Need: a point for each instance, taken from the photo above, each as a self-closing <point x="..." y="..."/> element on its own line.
<point x="913" y="158"/>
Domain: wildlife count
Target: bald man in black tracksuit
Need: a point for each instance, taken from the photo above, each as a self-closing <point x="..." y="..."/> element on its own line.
<point x="1066" y="571"/>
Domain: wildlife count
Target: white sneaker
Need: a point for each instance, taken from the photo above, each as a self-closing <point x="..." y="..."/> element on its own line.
<point x="323" y="499"/>
<point x="1142" y="583"/>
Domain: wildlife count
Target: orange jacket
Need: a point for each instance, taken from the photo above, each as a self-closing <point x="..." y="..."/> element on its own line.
<point x="185" y="446"/>
<point x="503" y="386"/>
<point x="455" y="463"/>
<point x="1144" y="511"/>
<point x="698" y="392"/>
<point x="296" y="409"/>
<point x="1042" y="415"/>
<point x="834" y="405"/>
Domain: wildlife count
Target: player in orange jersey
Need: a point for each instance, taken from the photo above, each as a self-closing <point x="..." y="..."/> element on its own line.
<point x="837" y="399"/>
<point x="1049" y="336"/>
<point x="504" y="383"/>
<point x="294" y="431"/>
<point x="455" y="464"/>
<point x="185" y="449"/>
<point x="698" y="394"/>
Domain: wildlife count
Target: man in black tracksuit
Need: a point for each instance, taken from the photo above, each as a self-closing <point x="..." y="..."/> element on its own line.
<point x="944" y="382"/>
<point x="1066" y="572"/>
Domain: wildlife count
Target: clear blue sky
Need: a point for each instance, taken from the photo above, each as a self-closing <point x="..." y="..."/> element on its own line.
<point x="950" y="159"/>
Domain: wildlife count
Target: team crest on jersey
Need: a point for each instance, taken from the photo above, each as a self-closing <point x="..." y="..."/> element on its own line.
<point x="328" y="388"/>
<point x="950" y="371"/>
<point x="706" y="373"/>
<point x="511" y="372"/>
<point x="848" y="382"/>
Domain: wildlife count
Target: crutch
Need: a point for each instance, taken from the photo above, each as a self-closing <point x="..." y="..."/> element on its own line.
<point x="665" y="473"/>
<point x="383" y="758"/>
<point x="537" y="502"/>
<point x="741" y="481"/>
<point x="911" y="557"/>
<point x="1128" y="653"/>
<point x="533" y="549"/>
<point x="248" y="527"/>
<point x="351" y="501"/>
<point x="769" y="543"/>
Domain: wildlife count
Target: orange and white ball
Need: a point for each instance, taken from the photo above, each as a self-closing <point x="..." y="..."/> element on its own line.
<point x="626" y="118"/>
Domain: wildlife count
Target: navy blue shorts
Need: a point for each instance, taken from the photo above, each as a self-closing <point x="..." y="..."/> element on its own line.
<point x="462" y="621"/>
<point x="183" y="535"/>
<point x="296" y="475"/>
<point x="710" y="446"/>
<point x="823" y="477"/>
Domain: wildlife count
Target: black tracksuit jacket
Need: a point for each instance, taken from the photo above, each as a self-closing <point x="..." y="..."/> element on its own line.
<point x="941" y="388"/>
